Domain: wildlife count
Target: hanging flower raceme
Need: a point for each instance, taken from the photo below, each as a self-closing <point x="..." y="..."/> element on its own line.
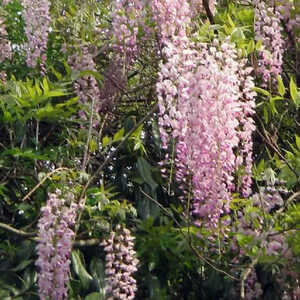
<point x="54" y="246"/>
<point x="172" y="18"/>
<point x="37" y="22"/>
<point x="206" y="104"/>
<point x="121" y="264"/>
<point x="268" y="31"/>
<point x="127" y="20"/>
<point x="219" y="123"/>
<point x="5" y="47"/>
<point x="85" y="87"/>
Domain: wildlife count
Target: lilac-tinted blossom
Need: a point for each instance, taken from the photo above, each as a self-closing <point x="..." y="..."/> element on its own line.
<point x="127" y="19"/>
<point x="5" y="47"/>
<point x="54" y="247"/>
<point x="206" y="104"/>
<point x="37" y="22"/>
<point x="121" y="264"/>
<point x="85" y="87"/>
<point x="268" y="31"/>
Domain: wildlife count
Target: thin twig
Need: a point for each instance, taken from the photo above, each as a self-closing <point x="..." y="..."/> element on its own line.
<point x="208" y="11"/>
<point x="188" y="240"/>
<point x="33" y="236"/>
<point x="108" y="159"/>
<point x="17" y="231"/>
<point x="271" y="144"/>
<point x="42" y="181"/>
<point x="85" y="160"/>
<point x="245" y="275"/>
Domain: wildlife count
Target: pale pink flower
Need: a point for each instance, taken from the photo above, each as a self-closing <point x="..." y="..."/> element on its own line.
<point x="121" y="264"/>
<point x="54" y="246"/>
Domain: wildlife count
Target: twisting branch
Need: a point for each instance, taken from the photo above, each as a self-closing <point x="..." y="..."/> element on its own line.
<point x="288" y="201"/>
<point x="33" y="237"/>
<point x="42" y="181"/>
<point x="208" y="11"/>
<point x="87" y="145"/>
<point x="108" y="159"/>
<point x="268" y="140"/>
<point x="17" y="231"/>
<point x="245" y="275"/>
<point x="196" y="252"/>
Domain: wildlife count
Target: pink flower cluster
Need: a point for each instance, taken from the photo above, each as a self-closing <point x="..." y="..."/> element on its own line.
<point x="172" y="18"/>
<point x="206" y="104"/>
<point x="55" y="245"/>
<point x="121" y="264"/>
<point x="114" y="83"/>
<point x="86" y="87"/>
<point x="37" y="21"/>
<point x="5" y="47"/>
<point x="127" y="18"/>
<point x="289" y="18"/>
<point x="268" y="31"/>
<point x="253" y="289"/>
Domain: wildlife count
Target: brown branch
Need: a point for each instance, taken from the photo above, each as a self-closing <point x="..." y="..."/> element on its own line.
<point x="208" y="11"/>
<point x="42" y="181"/>
<point x="33" y="236"/>
<point x="17" y="231"/>
<point x="245" y="275"/>
<point x="266" y="138"/>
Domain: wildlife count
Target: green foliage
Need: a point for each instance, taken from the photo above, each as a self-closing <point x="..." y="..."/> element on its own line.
<point x="45" y="144"/>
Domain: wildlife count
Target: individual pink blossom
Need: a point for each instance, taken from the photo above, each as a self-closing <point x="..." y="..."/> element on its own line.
<point x="55" y="245"/>
<point x="121" y="264"/>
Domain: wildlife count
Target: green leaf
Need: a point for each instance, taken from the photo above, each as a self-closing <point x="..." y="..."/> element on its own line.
<point x="281" y="88"/>
<point x="80" y="270"/>
<point x="22" y="265"/>
<point x="94" y="296"/>
<point x="45" y="85"/>
<point x="230" y="21"/>
<point x="293" y="90"/>
<point x="30" y="154"/>
<point x="262" y="91"/>
<point x="119" y="135"/>
<point x="38" y="89"/>
<point x="97" y="269"/>
<point x="144" y="169"/>
<point x="258" y="45"/>
<point x="251" y="47"/>
<point x="243" y="239"/>
<point x="93" y="145"/>
<point x="298" y="142"/>
<point x="90" y="73"/>
<point x="56" y="93"/>
<point x="106" y="141"/>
